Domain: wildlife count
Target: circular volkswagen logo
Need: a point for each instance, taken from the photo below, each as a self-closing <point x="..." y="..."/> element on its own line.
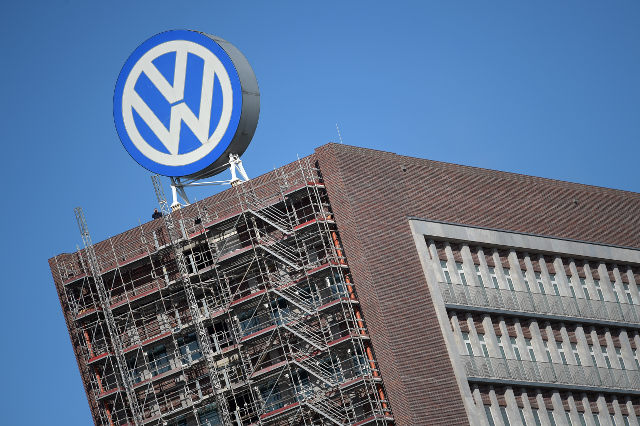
<point x="183" y="102"/>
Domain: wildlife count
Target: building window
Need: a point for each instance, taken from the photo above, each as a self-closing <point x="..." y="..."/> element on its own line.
<point x="605" y="354"/>
<point x="136" y="368"/>
<point x="620" y="360"/>
<point x="615" y="292"/>
<point x="279" y="310"/>
<point x="540" y="284"/>
<point x="516" y="350"/>
<point x="487" y="411"/>
<point x="583" y="421"/>
<point x="507" y="275"/>
<point x="467" y="343"/>
<point x="270" y="393"/>
<point x="627" y="291"/>
<point x="546" y="348"/>
<point x="596" y="420"/>
<point x="248" y="321"/>
<point x="483" y="345"/>
<point x="335" y="283"/>
<point x="505" y="418"/>
<point x="635" y="358"/>
<point x="479" y="275"/>
<point x="536" y="416"/>
<point x="532" y="354"/>
<point x="526" y="281"/>
<point x="593" y="356"/>
<point x="522" y="419"/>
<point x="573" y="291"/>
<point x="158" y="360"/>
<point x="583" y="284"/>
<point x="613" y="419"/>
<point x="494" y="277"/>
<point x="561" y="352"/>
<point x="209" y="418"/>
<point x="460" y="269"/>
<point x="189" y="349"/>
<point x="576" y="355"/>
<point x="554" y="283"/>
<point x="627" y="422"/>
<point x="445" y="271"/>
<point x="501" y="347"/>
<point x="596" y="283"/>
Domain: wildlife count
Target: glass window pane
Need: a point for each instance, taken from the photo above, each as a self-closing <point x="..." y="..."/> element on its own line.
<point x="613" y="419"/>
<point x="483" y="344"/>
<point x="583" y="421"/>
<point x="479" y="275"/>
<point x="540" y="284"/>
<point x="505" y="418"/>
<point x="494" y="277"/>
<point x="516" y="350"/>
<point x="560" y="348"/>
<point x="605" y="354"/>
<point x="501" y="347"/>
<point x="507" y="274"/>
<point x="460" y="268"/>
<point x="596" y="420"/>
<point x="526" y="281"/>
<point x="467" y="343"/>
<point x="445" y="271"/>
<point x="487" y="411"/>
<point x="596" y="283"/>
<point x="532" y="354"/>
<point x="554" y="284"/>
<point x="576" y="355"/>
<point x="522" y="419"/>
<point x="536" y="416"/>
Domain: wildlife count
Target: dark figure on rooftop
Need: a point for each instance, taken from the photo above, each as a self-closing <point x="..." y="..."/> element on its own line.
<point x="156" y="214"/>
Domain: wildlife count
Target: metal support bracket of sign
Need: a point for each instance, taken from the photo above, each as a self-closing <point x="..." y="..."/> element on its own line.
<point x="178" y="184"/>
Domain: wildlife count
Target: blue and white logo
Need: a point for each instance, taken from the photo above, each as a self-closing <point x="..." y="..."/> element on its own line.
<point x="178" y="103"/>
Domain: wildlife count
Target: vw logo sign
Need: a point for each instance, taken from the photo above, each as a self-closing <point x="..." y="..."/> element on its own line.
<point x="183" y="102"/>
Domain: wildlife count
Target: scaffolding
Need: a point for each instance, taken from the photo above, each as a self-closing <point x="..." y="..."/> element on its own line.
<point x="239" y="310"/>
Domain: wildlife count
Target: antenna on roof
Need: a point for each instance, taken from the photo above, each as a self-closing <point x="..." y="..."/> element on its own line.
<point x="339" y="135"/>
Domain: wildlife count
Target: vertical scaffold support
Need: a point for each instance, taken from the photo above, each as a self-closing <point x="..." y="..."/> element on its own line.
<point x="106" y="308"/>
<point x="202" y="335"/>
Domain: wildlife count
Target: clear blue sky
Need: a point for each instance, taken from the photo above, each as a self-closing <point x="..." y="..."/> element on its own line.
<point x="544" y="88"/>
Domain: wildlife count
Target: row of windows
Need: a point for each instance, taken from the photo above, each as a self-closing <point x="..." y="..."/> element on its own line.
<point x="559" y="346"/>
<point x="159" y="361"/>
<point x="534" y="347"/>
<point x="539" y="413"/>
<point x="621" y="291"/>
<point x="206" y="418"/>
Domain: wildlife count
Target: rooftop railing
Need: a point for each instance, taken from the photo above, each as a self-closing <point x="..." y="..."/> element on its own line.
<point x="513" y="370"/>
<point x="538" y="303"/>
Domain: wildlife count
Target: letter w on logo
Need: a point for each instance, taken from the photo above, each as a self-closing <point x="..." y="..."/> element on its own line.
<point x="180" y="112"/>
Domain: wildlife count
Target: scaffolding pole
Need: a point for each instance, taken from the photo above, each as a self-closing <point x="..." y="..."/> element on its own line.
<point x="106" y="308"/>
<point x="202" y="335"/>
<point x="246" y="303"/>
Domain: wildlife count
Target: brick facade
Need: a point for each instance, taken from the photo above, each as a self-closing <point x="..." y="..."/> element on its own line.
<point x="373" y="193"/>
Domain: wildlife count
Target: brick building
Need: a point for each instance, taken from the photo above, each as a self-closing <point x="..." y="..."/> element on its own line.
<point x="363" y="287"/>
